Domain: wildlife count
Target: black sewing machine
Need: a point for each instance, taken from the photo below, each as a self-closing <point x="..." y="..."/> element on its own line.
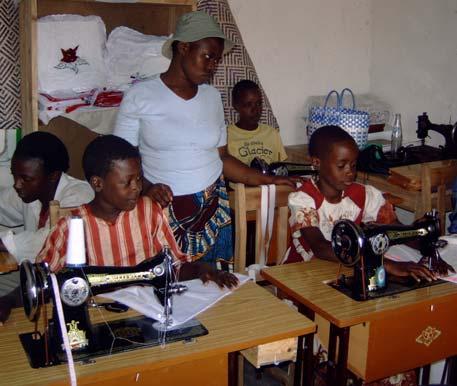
<point x="363" y="248"/>
<point x="449" y="132"/>
<point x="74" y="286"/>
<point x="282" y="168"/>
<point x="409" y="155"/>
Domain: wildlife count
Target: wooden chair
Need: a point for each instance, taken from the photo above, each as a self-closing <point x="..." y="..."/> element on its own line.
<point x="436" y="184"/>
<point x="245" y="202"/>
<point x="56" y="212"/>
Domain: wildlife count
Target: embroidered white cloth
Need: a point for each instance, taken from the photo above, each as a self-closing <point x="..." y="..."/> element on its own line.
<point x="70" y="53"/>
<point x="186" y="306"/>
<point x="132" y="56"/>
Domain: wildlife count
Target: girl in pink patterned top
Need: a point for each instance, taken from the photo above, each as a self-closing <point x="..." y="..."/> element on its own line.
<point x="333" y="196"/>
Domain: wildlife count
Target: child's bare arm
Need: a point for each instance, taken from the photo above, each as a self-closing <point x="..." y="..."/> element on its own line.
<point x="234" y="170"/>
<point x="409" y="268"/>
<point x="319" y="245"/>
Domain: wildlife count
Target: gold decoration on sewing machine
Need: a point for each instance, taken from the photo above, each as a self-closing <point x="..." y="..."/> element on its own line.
<point x="428" y="335"/>
<point x="76" y="337"/>
<point x="396" y="234"/>
<point x="96" y="279"/>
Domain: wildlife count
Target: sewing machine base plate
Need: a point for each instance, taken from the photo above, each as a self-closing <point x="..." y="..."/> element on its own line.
<point x="394" y="287"/>
<point x="132" y="333"/>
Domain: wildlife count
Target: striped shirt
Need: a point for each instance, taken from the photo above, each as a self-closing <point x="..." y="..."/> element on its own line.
<point x="134" y="236"/>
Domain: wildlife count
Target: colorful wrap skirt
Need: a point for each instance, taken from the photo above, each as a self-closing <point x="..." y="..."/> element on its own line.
<point x="201" y="223"/>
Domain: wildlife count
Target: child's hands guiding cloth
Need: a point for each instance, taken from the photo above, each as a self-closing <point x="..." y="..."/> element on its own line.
<point x="206" y="272"/>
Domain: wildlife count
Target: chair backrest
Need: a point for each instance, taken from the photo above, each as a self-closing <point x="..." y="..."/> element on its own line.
<point x="56" y="212"/>
<point x="436" y="184"/>
<point x="246" y="204"/>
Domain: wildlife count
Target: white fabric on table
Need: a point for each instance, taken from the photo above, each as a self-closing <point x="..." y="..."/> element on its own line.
<point x="186" y="306"/>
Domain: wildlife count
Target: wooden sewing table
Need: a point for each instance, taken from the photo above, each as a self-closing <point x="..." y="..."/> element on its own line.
<point x="7" y="263"/>
<point x="376" y="338"/>
<point x="405" y="183"/>
<point x="248" y="317"/>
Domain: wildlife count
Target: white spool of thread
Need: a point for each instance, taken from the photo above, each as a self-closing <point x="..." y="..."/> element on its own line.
<point x="76" y="247"/>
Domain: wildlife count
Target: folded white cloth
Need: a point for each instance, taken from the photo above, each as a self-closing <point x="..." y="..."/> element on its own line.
<point x="186" y="306"/>
<point x="70" y="51"/>
<point x="131" y="56"/>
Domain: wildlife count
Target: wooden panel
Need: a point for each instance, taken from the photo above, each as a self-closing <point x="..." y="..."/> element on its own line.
<point x="297" y="153"/>
<point x="29" y="81"/>
<point x="400" y="337"/>
<point x="209" y="372"/>
<point x="148" y="18"/>
<point x="409" y="177"/>
<point x="75" y="137"/>
<point x="272" y="353"/>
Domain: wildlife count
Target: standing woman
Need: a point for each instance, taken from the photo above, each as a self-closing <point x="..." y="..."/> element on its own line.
<point x="177" y="121"/>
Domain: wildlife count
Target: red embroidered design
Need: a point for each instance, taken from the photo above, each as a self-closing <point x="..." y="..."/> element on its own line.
<point x="69" y="56"/>
<point x="70" y="60"/>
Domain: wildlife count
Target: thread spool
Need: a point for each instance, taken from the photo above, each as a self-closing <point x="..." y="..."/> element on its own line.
<point x="76" y="247"/>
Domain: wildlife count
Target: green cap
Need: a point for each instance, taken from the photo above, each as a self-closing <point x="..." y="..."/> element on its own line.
<point x="194" y="26"/>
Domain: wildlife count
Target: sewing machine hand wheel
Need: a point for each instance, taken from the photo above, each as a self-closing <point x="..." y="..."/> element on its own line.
<point x="33" y="283"/>
<point x="347" y="242"/>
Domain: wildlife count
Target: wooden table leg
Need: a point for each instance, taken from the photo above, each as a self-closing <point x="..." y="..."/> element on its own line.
<point x="304" y="364"/>
<point x="233" y="368"/>
<point x="337" y="374"/>
<point x="298" y="373"/>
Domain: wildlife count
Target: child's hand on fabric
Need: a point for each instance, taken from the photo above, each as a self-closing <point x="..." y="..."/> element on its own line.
<point x="160" y="193"/>
<point x="221" y="278"/>
<point x="408" y="268"/>
<point x="439" y="266"/>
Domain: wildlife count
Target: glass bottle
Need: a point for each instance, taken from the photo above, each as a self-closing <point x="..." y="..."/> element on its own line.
<point x="396" y="136"/>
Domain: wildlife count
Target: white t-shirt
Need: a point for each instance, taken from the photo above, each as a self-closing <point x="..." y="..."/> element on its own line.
<point x="177" y="138"/>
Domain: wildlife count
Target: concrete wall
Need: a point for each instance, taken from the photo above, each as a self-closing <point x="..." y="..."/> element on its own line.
<point x="305" y="47"/>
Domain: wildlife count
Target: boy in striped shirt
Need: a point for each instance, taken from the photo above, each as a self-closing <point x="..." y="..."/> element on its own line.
<point x="122" y="228"/>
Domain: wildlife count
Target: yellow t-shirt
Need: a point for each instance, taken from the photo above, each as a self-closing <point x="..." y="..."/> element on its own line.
<point x="263" y="142"/>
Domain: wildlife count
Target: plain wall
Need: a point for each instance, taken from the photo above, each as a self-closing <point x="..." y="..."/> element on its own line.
<point x="305" y="47"/>
<point x="414" y="60"/>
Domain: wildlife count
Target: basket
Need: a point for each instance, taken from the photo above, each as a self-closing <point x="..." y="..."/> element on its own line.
<point x="355" y="122"/>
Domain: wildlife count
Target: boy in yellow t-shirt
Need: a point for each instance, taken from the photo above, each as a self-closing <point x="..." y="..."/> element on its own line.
<point x="247" y="138"/>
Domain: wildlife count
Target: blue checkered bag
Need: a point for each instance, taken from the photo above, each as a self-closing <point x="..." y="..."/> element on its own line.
<point x="355" y="122"/>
